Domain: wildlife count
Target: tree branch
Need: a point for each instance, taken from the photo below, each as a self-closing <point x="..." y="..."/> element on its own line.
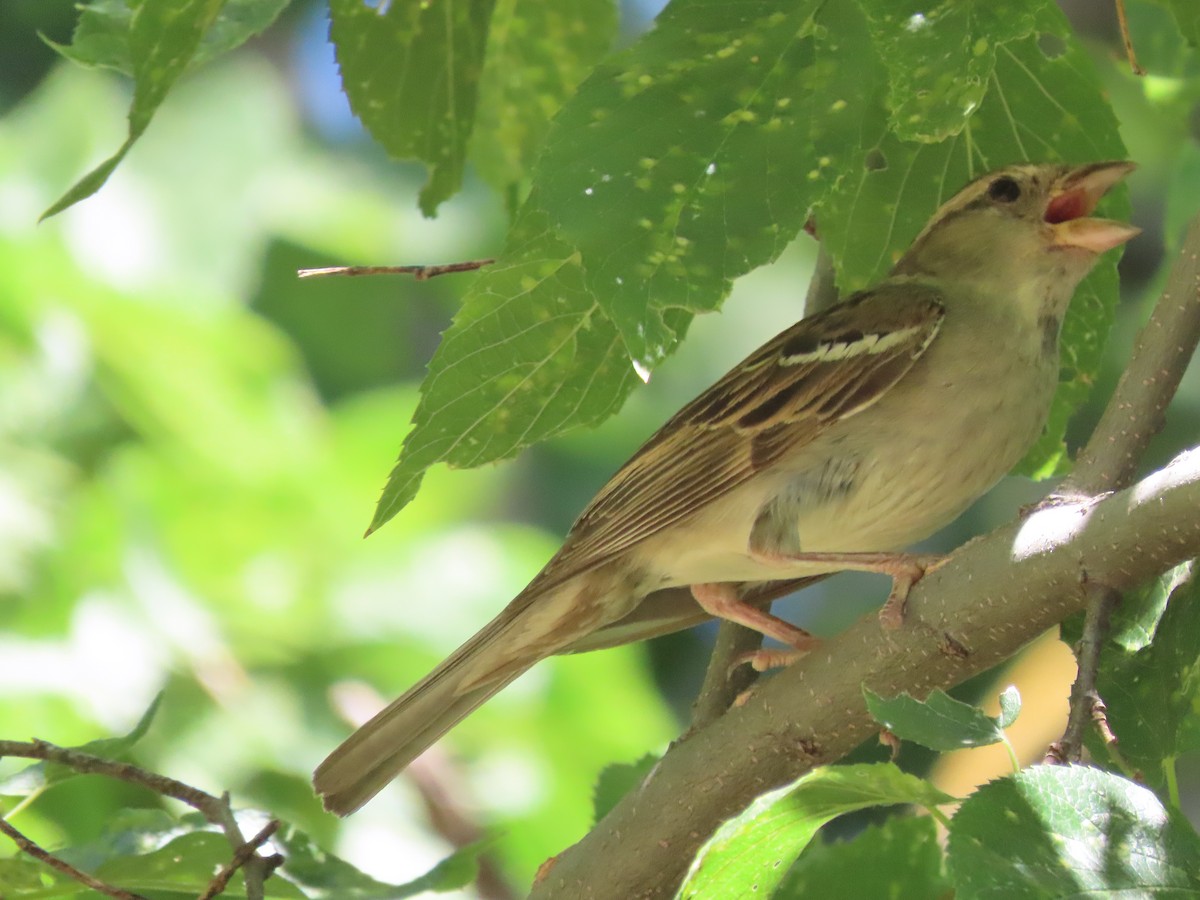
<point x="45" y="856"/>
<point x="241" y="857"/>
<point x="994" y="596"/>
<point x="1084" y="697"/>
<point x="1161" y="354"/>
<point x="1135" y="413"/>
<point x="216" y="810"/>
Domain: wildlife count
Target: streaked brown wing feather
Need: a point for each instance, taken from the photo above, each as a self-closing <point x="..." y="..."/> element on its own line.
<point x="778" y="399"/>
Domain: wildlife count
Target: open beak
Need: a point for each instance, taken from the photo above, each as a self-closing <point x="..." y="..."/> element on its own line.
<point x="1073" y="200"/>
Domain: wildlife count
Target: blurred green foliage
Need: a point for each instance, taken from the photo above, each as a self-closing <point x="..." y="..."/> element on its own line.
<point x="192" y="441"/>
<point x="192" y="444"/>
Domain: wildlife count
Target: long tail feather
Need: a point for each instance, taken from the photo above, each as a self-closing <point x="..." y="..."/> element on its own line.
<point x="533" y="626"/>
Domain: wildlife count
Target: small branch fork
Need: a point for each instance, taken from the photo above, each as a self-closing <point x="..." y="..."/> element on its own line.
<point x="216" y="810"/>
<point x="419" y="273"/>
<point x="1086" y="705"/>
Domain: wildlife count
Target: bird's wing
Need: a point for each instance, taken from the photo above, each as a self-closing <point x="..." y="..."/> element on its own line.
<point x="823" y="369"/>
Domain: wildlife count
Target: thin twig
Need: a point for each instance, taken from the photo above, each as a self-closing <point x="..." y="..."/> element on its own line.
<point x="98" y="765"/>
<point x="63" y="866"/>
<point x="241" y="856"/>
<point x="258" y="870"/>
<point x="1084" y="696"/>
<point x="722" y="686"/>
<point x="216" y="810"/>
<point x="1123" y="22"/>
<point x="420" y="273"/>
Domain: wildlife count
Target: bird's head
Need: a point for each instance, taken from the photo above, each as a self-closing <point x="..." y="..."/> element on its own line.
<point x="1026" y="224"/>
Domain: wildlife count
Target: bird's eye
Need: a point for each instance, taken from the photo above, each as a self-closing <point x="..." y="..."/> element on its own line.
<point x="1004" y="190"/>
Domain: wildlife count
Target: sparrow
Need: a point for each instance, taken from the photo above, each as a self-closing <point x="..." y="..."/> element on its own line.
<point x="852" y="434"/>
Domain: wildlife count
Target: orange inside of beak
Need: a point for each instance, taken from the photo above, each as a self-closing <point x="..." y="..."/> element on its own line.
<point x="1069" y="205"/>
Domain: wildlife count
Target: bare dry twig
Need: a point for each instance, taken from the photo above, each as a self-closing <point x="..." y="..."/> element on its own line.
<point x="420" y="273"/>
<point x="29" y="847"/>
<point x="216" y="810"/>
<point x="1084" y="696"/>
<point x="241" y="856"/>
<point x="1127" y="40"/>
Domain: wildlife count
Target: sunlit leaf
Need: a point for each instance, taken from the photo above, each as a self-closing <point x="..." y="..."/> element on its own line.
<point x="411" y="72"/>
<point x="537" y="52"/>
<point x="939" y="721"/>
<point x="900" y="860"/>
<point x="1070" y="831"/>
<point x="750" y="854"/>
<point x="163" y="38"/>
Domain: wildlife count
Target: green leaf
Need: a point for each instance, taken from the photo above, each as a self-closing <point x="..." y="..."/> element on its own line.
<point x="163" y="38"/>
<point x="617" y="780"/>
<point x="695" y="156"/>
<point x="1070" y="831"/>
<point x="1187" y="14"/>
<point x="453" y="873"/>
<point x="89" y="183"/>
<point x="184" y="867"/>
<point x="537" y="52"/>
<point x="683" y="162"/>
<point x="41" y="775"/>
<point x="750" y="854"/>
<point x="1151" y="694"/>
<point x="323" y="876"/>
<point x="411" y="72"/>
<point x="900" y="860"/>
<point x="939" y="722"/>
<point x="1136" y="619"/>
<point x="940" y="58"/>
<point x="1010" y="706"/>
<point x="21" y="876"/>
<point x="528" y="356"/>
<point x="102" y="34"/>
<point x="118" y="747"/>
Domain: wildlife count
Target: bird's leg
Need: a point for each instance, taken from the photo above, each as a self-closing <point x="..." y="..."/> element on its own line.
<point x="721" y="600"/>
<point x="905" y="570"/>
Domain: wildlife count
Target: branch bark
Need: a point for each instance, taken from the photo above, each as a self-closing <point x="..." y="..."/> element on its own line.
<point x="49" y="859"/>
<point x="216" y="810"/>
<point x="1161" y="354"/>
<point x="996" y="594"/>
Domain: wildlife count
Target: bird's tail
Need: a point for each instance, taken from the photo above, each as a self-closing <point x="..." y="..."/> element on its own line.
<point x="381" y="749"/>
<point x="535" y="625"/>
